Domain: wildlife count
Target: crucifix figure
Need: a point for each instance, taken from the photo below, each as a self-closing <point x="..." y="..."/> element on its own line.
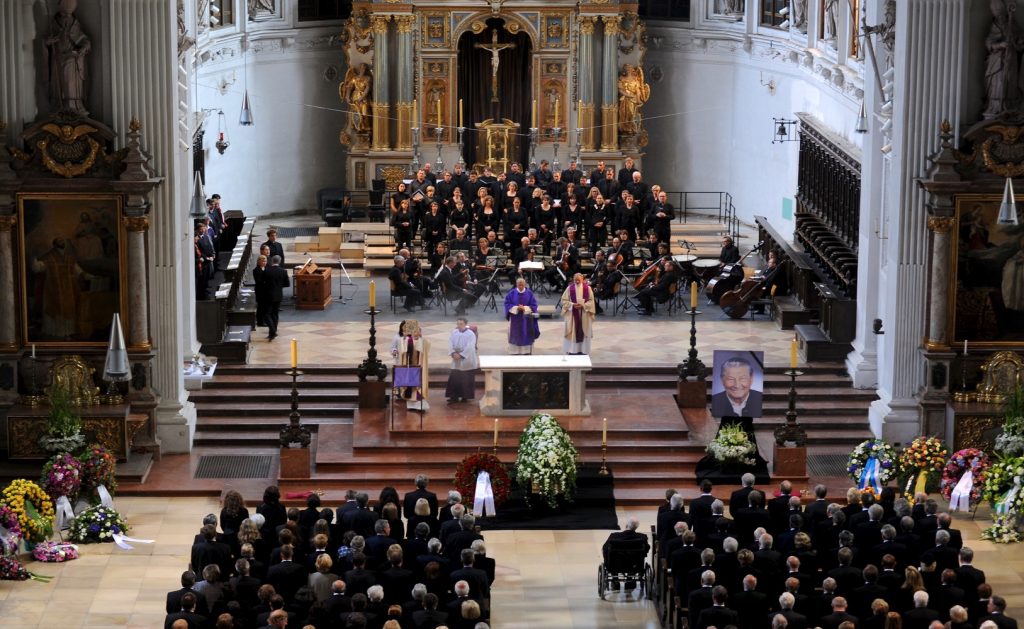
<point x="494" y="48"/>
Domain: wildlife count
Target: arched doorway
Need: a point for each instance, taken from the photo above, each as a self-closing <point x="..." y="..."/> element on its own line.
<point x="514" y="83"/>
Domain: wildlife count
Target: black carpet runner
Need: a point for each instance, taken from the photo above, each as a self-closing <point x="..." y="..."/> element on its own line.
<point x="593" y="507"/>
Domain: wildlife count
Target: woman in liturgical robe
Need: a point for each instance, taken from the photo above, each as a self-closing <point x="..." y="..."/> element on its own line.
<point x="521" y="312"/>
<point x="413" y="350"/>
<point x="462" y="350"/>
<point x="578" y="310"/>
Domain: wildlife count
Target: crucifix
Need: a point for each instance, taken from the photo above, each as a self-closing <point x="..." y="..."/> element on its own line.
<point x="494" y="48"/>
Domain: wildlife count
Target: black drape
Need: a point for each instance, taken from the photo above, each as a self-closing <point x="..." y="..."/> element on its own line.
<point x="514" y="85"/>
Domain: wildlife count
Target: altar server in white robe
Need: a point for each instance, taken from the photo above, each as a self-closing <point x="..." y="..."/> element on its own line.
<point x="462" y="350"/>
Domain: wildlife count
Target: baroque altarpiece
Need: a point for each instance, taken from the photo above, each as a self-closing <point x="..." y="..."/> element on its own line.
<point x="551" y="80"/>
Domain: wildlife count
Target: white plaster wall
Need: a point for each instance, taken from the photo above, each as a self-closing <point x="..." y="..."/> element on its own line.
<point x="292" y="150"/>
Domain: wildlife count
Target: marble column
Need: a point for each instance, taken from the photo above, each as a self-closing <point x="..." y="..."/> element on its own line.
<point x="381" y="105"/>
<point x="938" y="307"/>
<point x="586" y="63"/>
<point x="17" y="34"/>
<point x="8" y="298"/>
<point x="138" y="293"/>
<point x="610" y="84"/>
<point x="403" y="26"/>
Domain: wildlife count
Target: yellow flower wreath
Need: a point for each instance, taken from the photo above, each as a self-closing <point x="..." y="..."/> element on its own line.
<point x="16" y="496"/>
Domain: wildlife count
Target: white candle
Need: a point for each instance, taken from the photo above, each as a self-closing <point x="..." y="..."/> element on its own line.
<point x="604" y="432"/>
<point x="965" y="348"/>
<point x="33" y="350"/>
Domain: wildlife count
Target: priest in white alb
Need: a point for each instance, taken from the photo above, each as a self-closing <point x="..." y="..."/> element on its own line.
<point x="462" y="350"/>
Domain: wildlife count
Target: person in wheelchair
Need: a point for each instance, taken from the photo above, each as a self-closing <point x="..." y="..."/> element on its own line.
<point x="627" y="538"/>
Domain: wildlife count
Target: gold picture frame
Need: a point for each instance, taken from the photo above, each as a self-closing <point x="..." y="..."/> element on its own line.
<point x="986" y="303"/>
<point x="72" y="268"/>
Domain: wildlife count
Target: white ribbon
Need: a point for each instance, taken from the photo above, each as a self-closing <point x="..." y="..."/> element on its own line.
<point x="960" y="498"/>
<point x="122" y="541"/>
<point x="483" y="497"/>
<point x="1003" y="504"/>
<point x="105" y="498"/>
<point x="8" y="542"/>
<point x="64" y="513"/>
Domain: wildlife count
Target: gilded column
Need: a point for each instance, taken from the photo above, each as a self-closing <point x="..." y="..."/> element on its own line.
<point x="586" y="65"/>
<point x="609" y="85"/>
<point x="8" y="302"/>
<point x="404" y="25"/>
<point x="138" y="294"/>
<point x="381" y="105"/>
<point x="939" y="226"/>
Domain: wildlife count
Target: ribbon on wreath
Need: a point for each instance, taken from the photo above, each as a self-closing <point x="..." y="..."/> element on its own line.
<point x="922" y="480"/>
<point x="64" y="513"/>
<point x="483" y="496"/>
<point x="960" y="498"/>
<point x="122" y="541"/>
<point x="869" y="477"/>
<point x="105" y="498"/>
<point x="8" y="542"/>
<point x="1004" y="503"/>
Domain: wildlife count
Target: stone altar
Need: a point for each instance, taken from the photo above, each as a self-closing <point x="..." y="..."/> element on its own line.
<point x="523" y="385"/>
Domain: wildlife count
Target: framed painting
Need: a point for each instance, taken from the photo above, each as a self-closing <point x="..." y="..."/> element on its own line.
<point x="986" y="283"/>
<point x="72" y="268"/>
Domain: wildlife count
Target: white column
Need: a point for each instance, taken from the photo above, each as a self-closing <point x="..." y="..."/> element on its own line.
<point x="929" y="59"/>
<point x="17" y="99"/>
<point x="8" y="302"/>
<point x="144" y="80"/>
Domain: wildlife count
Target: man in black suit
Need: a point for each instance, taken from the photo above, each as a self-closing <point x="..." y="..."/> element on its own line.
<point x="627" y="535"/>
<point x="188" y="581"/>
<point x="751" y="605"/>
<point x="409" y="501"/>
<point x="701" y="598"/>
<point x="462" y="539"/>
<point x="451" y="289"/>
<point x="868" y="533"/>
<point x="947" y="595"/>
<point x="920" y="617"/>
<point x="210" y="551"/>
<point x="816" y="511"/>
<point x="888" y="546"/>
<point x="454" y="607"/>
<point x="277" y="280"/>
<point x="956" y="540"/>
<point x="718" y="615"/>
<point x="396" y="580"/>
<point x="847" y="577"/>
<point x="433" y="554"/>
<point x="667" y="521"/>
<point x="684" y="558"/>
<point x="997" y="614"/>
<point x="287" y="576"/>
<point x="700" y="507"/>
<point x="479" y="587"/>
<point x="186" y="613"/>
<point x="838" y="615"/>
<point x="941" y="554"/>
<point x="730" y="253"/>
<point x="737" y="399"/>
<point x="401" y="285"/>
<point x="778" y="508"/>
<point x="359" y="579"/>
<point x="338" y="602"/>
<point x="738" y="498"/>
<point x="862" y="597"/>
<point x="275" y="247"/>
<point x="753" y="517"/>
<point x="377" y="545"/>
<point x="794" y="620"/>
<point x="967" y="576"/>
<point x="429" y="617"/>
<point x="245" y="586"/>
<point x="659" y="291"/>
<point x="360" y="519"/>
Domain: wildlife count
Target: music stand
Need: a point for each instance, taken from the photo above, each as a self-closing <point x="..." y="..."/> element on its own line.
<point x="406" y="378"/>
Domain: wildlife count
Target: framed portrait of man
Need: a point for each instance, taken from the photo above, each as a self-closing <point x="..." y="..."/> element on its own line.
<point x="738" y="384"/>
<point x="72" y="267"/>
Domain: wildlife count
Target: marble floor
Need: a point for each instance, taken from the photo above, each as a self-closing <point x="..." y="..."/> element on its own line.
<point x="545" y="579"/>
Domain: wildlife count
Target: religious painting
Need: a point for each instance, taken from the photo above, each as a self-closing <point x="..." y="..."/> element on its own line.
<point x="436" y="30"/>
<point x="555" y="33"/>
<point x="72" y="263"/>
<point x="737" y="384"/>
<point x="986" y="275"/>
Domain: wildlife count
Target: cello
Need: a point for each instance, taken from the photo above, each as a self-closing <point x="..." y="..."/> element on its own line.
<point x="729" y="278"/>
<point x="650" y="273"/>
<point x="736" y="303"/>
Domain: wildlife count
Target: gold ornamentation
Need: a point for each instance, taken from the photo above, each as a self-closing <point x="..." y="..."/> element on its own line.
<point x="587" y="24"/>
<point x="379" y="23"/>
<point x="344" y="138"/>
<point x="945" y="127"/>
<point x="74" y="377"/>
<point x="477" y="27"/>
<point x="392" y="176"/>
<point x="68" y="169"/>
<point x="403" y="23"/>
<point x="437" y="26"/>
<point x="611" y="25"/>
<point x="1002" y="374"/>
<point x="970" y="432"/>
<point x="136" y="223"/>
<point x="940" y="224"/>
<point x="7" y="222"/>
<point x="135" y="422"/>
<point x="512" y="27"/>
<point x="997" y="156"/>
<point x="135" y="125"/>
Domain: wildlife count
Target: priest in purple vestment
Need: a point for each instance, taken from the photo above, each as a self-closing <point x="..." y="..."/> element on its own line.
<point x="521" y="312"/>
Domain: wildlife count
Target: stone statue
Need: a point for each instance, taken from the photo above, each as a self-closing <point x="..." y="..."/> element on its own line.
<point x="886" y="31"/>
<point x="66" y="48"/>
<point x="633" y="93"/>
<point x="831" y="17"/>
<point x="259" y="8"/>
<point x="799" y="8"/>
<point x="355" y="90"/>
<point x="1001" y="66"/>
<point x="184" y="41"/>
<point x="733" y="7"/>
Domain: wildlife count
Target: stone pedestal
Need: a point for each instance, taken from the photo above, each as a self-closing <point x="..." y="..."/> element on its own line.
<point x="520" y="385"/>
<point x="790" y="463"/>
<point x="692" y="394"/>
<point x="294" y="463"/>
<point x="372" y="394"/>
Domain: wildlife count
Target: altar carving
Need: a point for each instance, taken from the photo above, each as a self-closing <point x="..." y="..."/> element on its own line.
<point x="499" y="141"/>
<point x="355" y="90"/>
<point x="1001" y="375"/>
<point x="74" y="377"/>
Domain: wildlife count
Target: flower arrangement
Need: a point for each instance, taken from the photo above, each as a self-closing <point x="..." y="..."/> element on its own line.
<point x="924" y="454"/>
<point x="63" y="426"/>
<point x="547" y="459"/>
<point x="1004" y="531"/>
<point x="98" y="468"/>
<point x="469" y="467"/>
<point x="732" y="445"/>
<point x="12" y="570"/>
<point x="98" y="524"/>
<point x="55" y="552"/>
<point x="33" y="508"/>
<point x="884" y="453"/>
<point x="966" y="459"/>
<point x="9" y="521"/>
<point x="62" y="476"/>
<point x="1000" y="478"/>
<point x="1010" y="441"/>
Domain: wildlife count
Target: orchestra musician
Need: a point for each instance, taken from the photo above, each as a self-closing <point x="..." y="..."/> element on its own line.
<point x="438" y="256"/>
<point x="414" y="273"/>
<point x="660" y="290"/>
<point x="604" y="280"/>
<point x="403" y="287"/>
<point x="465" y="275"/>
<point x="460" y="242"/>
<point x="730" y="253"/>
<point x="566" y="260"/>
<point x="452" y="291"/>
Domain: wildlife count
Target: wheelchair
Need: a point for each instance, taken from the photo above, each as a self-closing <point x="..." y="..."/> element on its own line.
<point x="627" y="563"/>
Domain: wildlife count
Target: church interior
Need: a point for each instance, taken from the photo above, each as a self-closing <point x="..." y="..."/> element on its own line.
<point x="745" y="243"/>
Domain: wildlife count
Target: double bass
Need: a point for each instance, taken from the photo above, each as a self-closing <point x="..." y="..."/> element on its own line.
<point x="736" y="303"/>
<point x="651" y="273"/>
<point x="729" y="278"/>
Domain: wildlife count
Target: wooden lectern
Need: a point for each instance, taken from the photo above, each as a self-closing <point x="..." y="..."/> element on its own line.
<point x="312" y="287"/>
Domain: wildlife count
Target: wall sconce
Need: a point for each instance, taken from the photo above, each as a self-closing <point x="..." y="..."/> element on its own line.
<point x="783" y="130"/>
<point x="770" y="84"/>
<point x="1008" y="208"/>
<point x="862" y="119"/>
<point x="222" y="143"/>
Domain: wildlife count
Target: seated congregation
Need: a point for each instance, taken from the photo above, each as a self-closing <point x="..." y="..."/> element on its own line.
<point x="394" y="564"/>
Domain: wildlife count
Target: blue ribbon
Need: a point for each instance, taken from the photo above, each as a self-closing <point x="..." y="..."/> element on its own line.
<point x="869" y="477"/>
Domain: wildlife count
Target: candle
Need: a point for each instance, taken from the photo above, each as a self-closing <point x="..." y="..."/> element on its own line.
<point x="792" y="354"/>
<point x="415" y="113"/>
<point x="533" y="116"/>
<point x="373" y="294"/>
<point x="295" y="353"/>
<point x="693" y="296"/>
<point x="33" y="351"/>
<point x="580" y="107"/>
<point x="604" y="431"/>
<point x="439" y="112"/>
<point x="495" y="432"/>
<point x="965" y="349"/>
<point x="460" y="113"/>
<point x="558" y="103"/>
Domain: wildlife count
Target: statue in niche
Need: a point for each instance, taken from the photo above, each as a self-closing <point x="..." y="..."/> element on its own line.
<point x="203" y="16"/>
<point x="799" y="8"/>
<point x="886" y="31"/>
<point x="831" y="20"/>
<point x="184" y="41"/>
<point x="1001" y="66"/>
<point x="258" y="8"/>
<point x="355" y="90"/>
<point x="66" y="49"/>
<point x="633" y="93"/>
<point x="732" y="7"/>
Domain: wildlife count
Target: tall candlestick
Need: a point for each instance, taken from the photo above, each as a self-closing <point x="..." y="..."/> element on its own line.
<point x="557" y="107"/>
<point x="495" y="432"/>
<point x="604" y="432"/>
<point x="693" y="295"/>
<point x="439" y="112"/>
<point x="373" y="294"/>
<point x="295" y="353"/>
<point x="792" y="354"/>
<point x="460" y="113"/>
<point x="533" y="116"/>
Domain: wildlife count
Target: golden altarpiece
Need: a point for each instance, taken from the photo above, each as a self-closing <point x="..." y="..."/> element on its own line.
<point x="418" y="72"/>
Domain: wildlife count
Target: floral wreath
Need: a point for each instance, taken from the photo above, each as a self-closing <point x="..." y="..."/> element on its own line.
<point x="924" y="454"/>
<point x="33" y="508"/>
<point x="62" y="476"/>
<point x="884" y="453"/>
<point x="12" y="570"/>
<point x="98" y="524"/>
<point x="966" y="459"/>
<point x="732" y="445"/>
<point x="98" y="468"/>
<point x="55" y="552"/>
<point x="9" y="521"/>
<point x="469" y="467"/>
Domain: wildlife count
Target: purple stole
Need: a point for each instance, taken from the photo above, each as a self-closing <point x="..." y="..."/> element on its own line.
<point x="577" y="313"/>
